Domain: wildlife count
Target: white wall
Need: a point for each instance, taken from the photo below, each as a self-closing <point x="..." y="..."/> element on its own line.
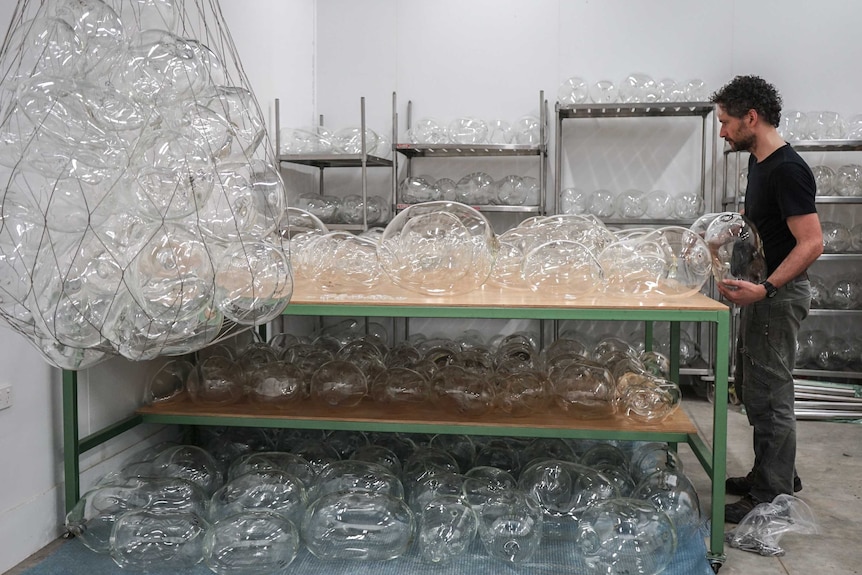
<point x="486" y="58"/>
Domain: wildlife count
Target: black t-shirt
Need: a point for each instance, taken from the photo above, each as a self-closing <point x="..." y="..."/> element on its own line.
<point x="780" y="186"/>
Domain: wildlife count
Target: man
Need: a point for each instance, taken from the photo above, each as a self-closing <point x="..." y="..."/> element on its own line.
<point x="779" y="201"/>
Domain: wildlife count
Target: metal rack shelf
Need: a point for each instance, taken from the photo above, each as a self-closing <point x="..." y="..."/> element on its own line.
<point x="334" y="160"/>
<point x="464" y="150"/>
<point x="848" y="313"/>
<point x="635" y="110"/>
<point x="827" y="145"/>
<point x="494" y="208"/>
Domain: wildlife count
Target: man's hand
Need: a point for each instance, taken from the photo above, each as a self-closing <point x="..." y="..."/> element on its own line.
<point x="741" y="292"/>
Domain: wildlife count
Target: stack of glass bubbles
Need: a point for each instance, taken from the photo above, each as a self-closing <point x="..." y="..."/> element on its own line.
<point x="438" y="248"/>
<point x="637" y="87"/>
<point x="469" y="131"/>
<point x="140" y="196"/>
<point x="320" y="140"/>
<point x="258" y="500"/>
<point x="477" y="188"/>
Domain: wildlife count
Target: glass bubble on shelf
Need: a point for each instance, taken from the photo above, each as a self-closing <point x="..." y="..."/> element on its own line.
<point x="144" y="540"/>
<point x="168" y="382"/>
<point x="310" y="141"/>
<point x="856" y="238"/>
<point x="836" y="237"/>
<point x="358" y="526"/>
<point x="845" y="293"/>
<point x="384" y="147"/>
<point x="438" y="248"/>
<point x="603" y="92"/>
<point x="584" y="389"/>
<point x="215" y="381"/>
<point x="511" y="190"/>
<point x="659" y="205"/>
<point x="476" y="188"/>
<point x="826" y="125"/>
<point x="687" y="205"/>
<point x="500" y="133"/>
<point x="574" y="201"/>
<point x="562" y="268"/>
<point x="339" y="383"/>
<point x="296" y="229"/>
<point x="630" y="204"/>
<point x="625" y="535"/>
<point x="273" y="490"/>
<point x="564" y="489"/>
<point x="736" y="249"/>
<point x="670" y="90"/>
<point x="528" y="131"/>
<point x="696" y="90"/>
<point x="468" y="131"/>
<point x="418" y="189"/>
<point x="824" y="176"/>
<point x="573" y="90"/>
<point x="251" y="542"/>
<point x="638" y="87"/>
<point x="510" y="526"/>
<point x="854" y="127"/>
<point x="848" y="180"/>
<point x="794" y="126"/>
<point x="601" y="203"/>
<point x="819" y="293"/>
<point x="673" y="493"/>
<point x="349" y="141"/>
<point x="342" y="262"/>
<point x="428" y="131"/>
<point x="446" y="527"/>
<point x="647" y="398"/>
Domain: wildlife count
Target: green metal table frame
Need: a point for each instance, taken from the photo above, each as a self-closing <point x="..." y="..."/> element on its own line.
<point x="712" y="460"/>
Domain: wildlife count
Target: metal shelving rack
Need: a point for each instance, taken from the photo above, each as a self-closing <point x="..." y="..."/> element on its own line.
<point x="708" y="159"/>
<point x="363" y="160"/>
<point x="411" y="151"/>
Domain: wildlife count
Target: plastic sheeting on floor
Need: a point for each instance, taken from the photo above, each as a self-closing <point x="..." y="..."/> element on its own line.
<point x="72" y="558"/>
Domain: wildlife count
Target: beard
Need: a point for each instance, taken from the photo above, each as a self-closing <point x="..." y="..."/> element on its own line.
<point x="742" y="143"/>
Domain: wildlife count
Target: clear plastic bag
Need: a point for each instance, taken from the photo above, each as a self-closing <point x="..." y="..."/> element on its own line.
<point x="763" y="527"/>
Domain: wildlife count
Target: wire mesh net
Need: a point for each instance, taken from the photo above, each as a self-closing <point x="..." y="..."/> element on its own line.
<point x="141" y="201"/>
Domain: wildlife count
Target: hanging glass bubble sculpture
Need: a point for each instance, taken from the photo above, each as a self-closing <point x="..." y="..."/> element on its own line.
<point x="139" y="190"/>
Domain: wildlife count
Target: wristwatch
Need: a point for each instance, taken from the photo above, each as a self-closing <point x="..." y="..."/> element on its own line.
<point x="771" y="290"/>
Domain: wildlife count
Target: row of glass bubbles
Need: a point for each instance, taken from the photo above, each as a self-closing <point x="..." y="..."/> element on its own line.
<point x="820" y="125"/>
<point x="254" y="500"/>
<point x="634" y="88"/>
<point x="839" y="239"/>
<point x="139" y="197"/>
<point x="476" y="189"/>
<point x="816" y="349"/>
<point x="447" y="248"/>
<point x="349" y="209"/>
<point x="320" y="140"/>
<point x="632" y="204"/>
<point x="526" y="131"/>
<point x="515" y="377"/>
<point x="841" y="293"/>
<point x="845" y="180"/>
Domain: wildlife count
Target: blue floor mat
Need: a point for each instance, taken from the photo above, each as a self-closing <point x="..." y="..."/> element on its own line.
<point x="72" y="558"/>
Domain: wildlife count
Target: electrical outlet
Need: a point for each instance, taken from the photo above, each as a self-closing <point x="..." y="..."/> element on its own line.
<point x="5" y="396"/>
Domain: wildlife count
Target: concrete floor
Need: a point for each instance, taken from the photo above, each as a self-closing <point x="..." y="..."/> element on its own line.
<point x="829" y="461"/>
<point x="830" y="465"/>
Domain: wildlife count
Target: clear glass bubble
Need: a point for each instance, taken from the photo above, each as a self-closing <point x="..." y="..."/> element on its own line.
<point x="168" y="382"/>
<point x="511" y="191"/>
<point x="510" y="527"/>
<point x="500" y="133"/>
<point x="856" y="238"/>
<point x="826" y="125"/>
<point x="349" y="141"/>
<point x="468" y="131"/>
<point x="834" y="353"/>
<point x="845" y="293"/>
<point x="696" y="90"/>
<point x="454" y="387"/>
<point x="253" y="282"/>
<point x="161" y="67"/>
<point x="638" y="87"/>
<point x="251" y="542"/>
<point x="625" y="536"/>
<point x="356" y="475"/>
<point x="428" y="131"/>
<point x="100" y="30"/>
<point x="794" y="125"/>
<point x="143" y="540"/>
<point x="630" y="204"/>
<point x="659" y="205"/>
<point x="438" y="248"/>
<point x="278" y="384"/>
<point x="836" y="237"/>
<point x="737" y="252"/>
<point x="94" y="515"/>
<point x="272" y="490"/>
<point x="418" y="189"/>
<point x="584" y="389"/>
<point x="573" y="90"/>
<point x="647" y="398"/>
<point x="379" y="455"/>
<point x="562" y="268"/>
<point x="848" y="180"/>
<point x="446" y="527"/>
<point x="482" y="483"/>
<point x="673" y="493"/>
<point x="564" y="489"/>
<point x="601" y="203"/>
<point x="825" y="178"/>
<point x="341" y="262"/>
<point x="315" y="140"/>
<point x="687" y="205"/>
<point x="247" y="202"/>
<point x="603" y="92"/>
<point x="358" y="526"/>
<point x="522" y="394"/>
<point x="476" y="188"/>
<point x="528" y="131"/>
<point x="339" y="383"/>
<point x="191" y="463"/>
<point x="42" y="46"/>
<point x="670" y="91"/>
<point x="432" y="485"/>
<point x="574" y="201"/>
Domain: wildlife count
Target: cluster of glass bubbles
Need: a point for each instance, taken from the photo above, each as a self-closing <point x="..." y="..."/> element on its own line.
<point x="350" y="209"/>
<point x="476" y="189"/>
<point x="818" y="349"/>
<point x="839" y="293"/>
<point x="839" y="239"/>
<point x="819" y="125"/>
<point x="320" y="140"/>
<point x="845" y="180"/>
<point x="513" y="376"/>
<point x="632" y="204"/>
<point x="255" y="501"/>
<point x="139" y="195"/>
<point x="468" y="131"/>
<point x="637" y="87"/>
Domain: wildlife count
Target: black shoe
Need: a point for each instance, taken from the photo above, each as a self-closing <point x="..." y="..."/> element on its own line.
<point x="735" y="512"/>
<point x="742" y="485"/>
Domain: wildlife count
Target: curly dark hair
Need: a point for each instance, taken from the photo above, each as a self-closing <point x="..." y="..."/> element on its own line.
<point x="745" y="93"/>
